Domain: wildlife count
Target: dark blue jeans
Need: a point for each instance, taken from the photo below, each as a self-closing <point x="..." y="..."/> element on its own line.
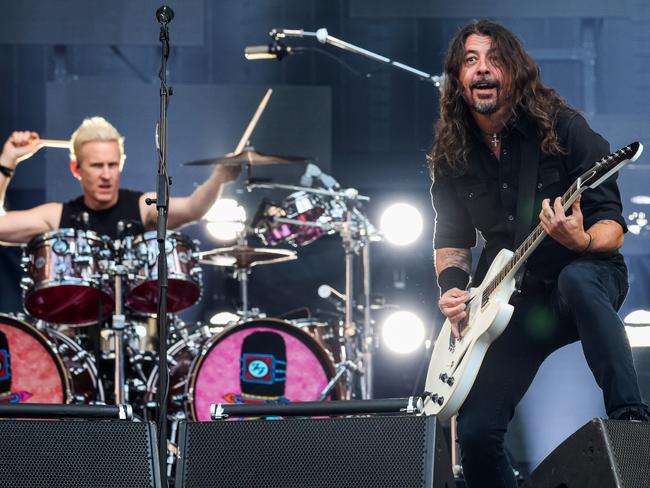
<point x="582" y="306"/>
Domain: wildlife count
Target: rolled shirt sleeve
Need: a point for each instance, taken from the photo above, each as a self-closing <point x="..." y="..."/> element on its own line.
<point x="585" y="148"/>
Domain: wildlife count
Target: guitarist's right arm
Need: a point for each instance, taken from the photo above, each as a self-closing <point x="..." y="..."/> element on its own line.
<point x="454" y="236"/>
<point x="453" y="267"/>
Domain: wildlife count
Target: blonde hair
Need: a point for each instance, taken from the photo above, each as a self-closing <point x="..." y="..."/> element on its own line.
<point x="95" y="129"/>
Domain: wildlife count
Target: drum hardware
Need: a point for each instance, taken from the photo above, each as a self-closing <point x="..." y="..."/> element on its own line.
<point x="242" y="258"/>
<point x="338" y="211"/>
<point x="118" y="324"/>
<point x="344" y="368"/>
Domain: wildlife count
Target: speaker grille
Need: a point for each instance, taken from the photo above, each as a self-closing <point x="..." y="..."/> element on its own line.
<point x="630" y="443"/>
<point x="355" y="452"/>
<point x="75" y="454"/>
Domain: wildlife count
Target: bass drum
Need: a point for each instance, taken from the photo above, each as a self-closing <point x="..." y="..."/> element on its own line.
<point x="259" y="361"/>
<point x="44" y="366"/>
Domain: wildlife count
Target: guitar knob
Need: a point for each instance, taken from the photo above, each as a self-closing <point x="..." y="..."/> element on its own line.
<point x="440" y="400"/>
<point x="443" y="377"/>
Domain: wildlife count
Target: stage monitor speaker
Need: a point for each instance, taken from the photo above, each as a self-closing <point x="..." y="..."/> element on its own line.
<point x="601" y="454"/>
<point x="78" y="453"/>
<point x="345" y="452"/>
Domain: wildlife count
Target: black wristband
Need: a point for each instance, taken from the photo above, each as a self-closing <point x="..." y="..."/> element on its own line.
<point x="6" y="171"/>
<point x="452" y="277"/>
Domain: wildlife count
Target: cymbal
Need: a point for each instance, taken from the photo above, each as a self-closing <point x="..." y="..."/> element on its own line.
<point x="245" y="256"/>
<point x="249" y="156"/>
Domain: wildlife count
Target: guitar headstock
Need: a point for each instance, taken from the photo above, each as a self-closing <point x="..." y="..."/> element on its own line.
<point x="607" y="166"/>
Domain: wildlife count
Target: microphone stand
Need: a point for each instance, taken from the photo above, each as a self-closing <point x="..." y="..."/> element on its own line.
<point x="323" y="37"/>
<point x="164" y="15"/>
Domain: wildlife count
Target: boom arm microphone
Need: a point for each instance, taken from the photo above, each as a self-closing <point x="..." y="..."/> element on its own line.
<point x="274" y="50"/>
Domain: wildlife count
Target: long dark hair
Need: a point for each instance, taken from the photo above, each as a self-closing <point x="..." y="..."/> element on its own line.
<point x="528" y="95"/>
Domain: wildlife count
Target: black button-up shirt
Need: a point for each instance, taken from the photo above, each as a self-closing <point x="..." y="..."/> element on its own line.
<point x="485" y="197"/>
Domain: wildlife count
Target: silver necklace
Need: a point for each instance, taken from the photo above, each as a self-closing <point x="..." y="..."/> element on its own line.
<point x="494" y="138"/>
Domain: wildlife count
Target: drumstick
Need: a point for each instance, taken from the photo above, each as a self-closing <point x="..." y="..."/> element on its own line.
<point x="55" y="143"/>
<point x="251" y="125"/>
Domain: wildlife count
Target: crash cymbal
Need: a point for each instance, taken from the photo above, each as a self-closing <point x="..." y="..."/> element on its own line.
<point x="251" y="157"/>
<point x="245" y="257"/>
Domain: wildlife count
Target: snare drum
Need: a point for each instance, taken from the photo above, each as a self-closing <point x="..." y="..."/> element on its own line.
<point x="263" y="360"/>
<point x="184" y="279"/>
<point x="316" y="211"/>
<point x="44" y="366"/>
<point x="65" y="280"/>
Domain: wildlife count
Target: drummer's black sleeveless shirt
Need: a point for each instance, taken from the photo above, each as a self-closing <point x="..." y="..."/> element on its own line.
<point x="103" y="222"/>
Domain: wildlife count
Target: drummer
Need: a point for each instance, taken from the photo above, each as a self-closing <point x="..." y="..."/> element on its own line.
<point x="96" y="160"/>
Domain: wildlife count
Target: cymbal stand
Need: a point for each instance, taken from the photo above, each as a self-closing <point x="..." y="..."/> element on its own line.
<point x="241" y="274"/>
<point x="356" y="233"/>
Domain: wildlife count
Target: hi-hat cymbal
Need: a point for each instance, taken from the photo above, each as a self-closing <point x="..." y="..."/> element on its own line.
<point x="249" y="156"/>
<point x="245" y="256"/>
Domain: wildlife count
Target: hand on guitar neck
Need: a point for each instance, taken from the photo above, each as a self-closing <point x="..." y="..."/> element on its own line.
<point x="568" y="230"/>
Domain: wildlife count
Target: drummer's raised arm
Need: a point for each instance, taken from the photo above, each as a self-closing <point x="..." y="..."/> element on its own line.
<point x="20" y="226"/>
<point x="185" y="210"/>
<point x="19" y="146"/>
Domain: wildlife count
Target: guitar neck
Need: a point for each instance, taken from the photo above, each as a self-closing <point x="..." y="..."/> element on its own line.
<point x="529" y="245"/>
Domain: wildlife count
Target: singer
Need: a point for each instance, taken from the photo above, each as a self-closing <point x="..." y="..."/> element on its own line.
<point x="96" y="159"/>
<point x="499" y="123"/>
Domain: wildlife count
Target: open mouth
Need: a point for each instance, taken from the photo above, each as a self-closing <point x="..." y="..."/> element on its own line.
<point x="484" y="85"/>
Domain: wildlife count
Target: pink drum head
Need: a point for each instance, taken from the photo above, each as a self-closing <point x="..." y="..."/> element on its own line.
<point x="69" y="304"/>
<point x="259" y="361"/>
<point x="30" y="372"/>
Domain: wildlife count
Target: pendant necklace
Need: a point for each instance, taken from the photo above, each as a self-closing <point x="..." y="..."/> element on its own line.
<point x="494" y="138"/>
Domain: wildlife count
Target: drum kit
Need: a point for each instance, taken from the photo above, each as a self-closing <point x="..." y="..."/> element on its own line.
<point x="91" y="301"/>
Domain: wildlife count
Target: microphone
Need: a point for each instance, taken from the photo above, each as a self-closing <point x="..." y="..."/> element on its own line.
<point x="164" y="14"/>
<point x="281" y="33"/>
<point x="312" y="171"/>
<point x="327" y="292"/>
<point x="274" y="50"/>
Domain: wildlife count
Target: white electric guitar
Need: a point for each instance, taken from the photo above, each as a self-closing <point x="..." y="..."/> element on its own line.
<point x="456" y="361"/>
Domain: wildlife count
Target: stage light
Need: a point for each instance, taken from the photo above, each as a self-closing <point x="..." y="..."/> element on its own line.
<point x="403" y="332"/>
<point x="224" y="318"/>
<point x="225" y="219"/>
<point x="637" y="327"/>
<point x="401" y="224"/>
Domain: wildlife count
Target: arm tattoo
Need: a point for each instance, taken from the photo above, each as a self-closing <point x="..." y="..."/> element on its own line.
<point x="452" y="256"/>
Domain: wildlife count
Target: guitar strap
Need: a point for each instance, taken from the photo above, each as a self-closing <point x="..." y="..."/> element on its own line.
<point x="529" y="154"/>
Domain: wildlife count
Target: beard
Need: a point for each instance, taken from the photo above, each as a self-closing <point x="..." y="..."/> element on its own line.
<point x="485" y="106"/>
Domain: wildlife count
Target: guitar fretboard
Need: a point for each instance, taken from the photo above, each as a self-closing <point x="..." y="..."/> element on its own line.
<point x="535" y="237"/>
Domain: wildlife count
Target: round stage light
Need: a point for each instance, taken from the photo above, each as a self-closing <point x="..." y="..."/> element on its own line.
<point x="403" y="332"/>
<point x="401" y="224"/>
<point x="225" y="219"/>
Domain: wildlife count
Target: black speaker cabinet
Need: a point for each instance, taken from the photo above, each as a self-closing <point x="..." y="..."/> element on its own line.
<point x="345" y="452"/>
<point x="601" y="454"/>
<point x="78" y="453"/>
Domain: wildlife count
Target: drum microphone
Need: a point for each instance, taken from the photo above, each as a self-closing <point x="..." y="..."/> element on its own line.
<point x="312" y="171"/>
<point x="274" y="50"/>
<point x="329" y="293"/>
